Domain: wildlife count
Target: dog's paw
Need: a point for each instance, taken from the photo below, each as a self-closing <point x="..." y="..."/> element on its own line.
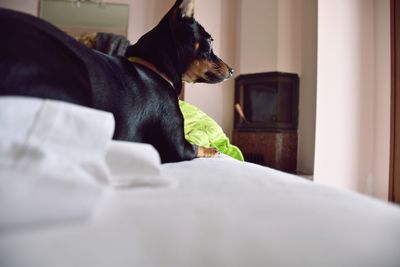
<point x="204" y="152"/>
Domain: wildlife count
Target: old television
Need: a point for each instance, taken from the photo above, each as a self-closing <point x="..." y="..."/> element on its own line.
<point x="266" y="101"/>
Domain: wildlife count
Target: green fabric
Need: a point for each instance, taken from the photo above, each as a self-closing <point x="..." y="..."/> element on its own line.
<point x="202" y="130"/>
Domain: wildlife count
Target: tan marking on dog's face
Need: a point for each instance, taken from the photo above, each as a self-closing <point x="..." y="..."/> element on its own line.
<point x="207" y="71"/>
<point x="197" y="70"/>
<point x="196" y="46"/>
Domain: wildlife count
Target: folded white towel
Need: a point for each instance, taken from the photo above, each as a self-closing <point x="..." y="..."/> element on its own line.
<point x="42" y="179"/>
<point x="135" y="164"/>
<point x="56" y="158"/>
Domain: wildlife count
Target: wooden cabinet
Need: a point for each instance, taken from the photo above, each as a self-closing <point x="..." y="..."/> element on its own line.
<point x="266" y="121"/>
<point x="277" y="150"/>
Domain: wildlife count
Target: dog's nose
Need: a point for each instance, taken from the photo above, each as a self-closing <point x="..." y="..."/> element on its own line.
<point x="231" y="71"/>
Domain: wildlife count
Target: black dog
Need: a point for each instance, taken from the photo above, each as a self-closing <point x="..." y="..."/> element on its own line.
<point x="39" y="60"/>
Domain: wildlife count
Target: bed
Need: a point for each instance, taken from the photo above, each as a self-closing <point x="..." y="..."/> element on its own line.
<point x="70" y="196"/>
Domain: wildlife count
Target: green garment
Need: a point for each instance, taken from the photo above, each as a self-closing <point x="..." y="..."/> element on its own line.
<point x="202" y="130"/>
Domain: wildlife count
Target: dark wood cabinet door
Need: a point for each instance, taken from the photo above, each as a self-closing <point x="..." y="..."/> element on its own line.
<point x="277" y="150"/>
<point x="394" y="190"/>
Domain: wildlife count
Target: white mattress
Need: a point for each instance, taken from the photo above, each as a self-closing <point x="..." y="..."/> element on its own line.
<point x="213" y="212"/>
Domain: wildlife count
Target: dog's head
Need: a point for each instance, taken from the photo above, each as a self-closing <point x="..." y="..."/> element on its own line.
<point x="204" y="65"/>
<point x="181" y="48"/>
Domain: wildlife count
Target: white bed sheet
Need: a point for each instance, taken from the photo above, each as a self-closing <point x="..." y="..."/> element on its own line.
<point x="220" y="212"/>
<point x="223" y="213"/>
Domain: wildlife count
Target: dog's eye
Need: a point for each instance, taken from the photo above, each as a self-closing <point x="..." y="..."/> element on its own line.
<point x="206" y="46"/>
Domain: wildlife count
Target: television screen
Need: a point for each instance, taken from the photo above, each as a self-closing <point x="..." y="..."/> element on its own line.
<point x="267" y="101"/>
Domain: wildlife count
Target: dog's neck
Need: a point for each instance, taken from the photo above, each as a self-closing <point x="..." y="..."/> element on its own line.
<point x="150" y="66"/>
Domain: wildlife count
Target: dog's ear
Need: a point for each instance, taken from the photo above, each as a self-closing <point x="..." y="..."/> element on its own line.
<point x="185" y="8"/>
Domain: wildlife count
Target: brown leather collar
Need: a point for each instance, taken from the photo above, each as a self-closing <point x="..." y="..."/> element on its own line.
<point x="150" y="66"/>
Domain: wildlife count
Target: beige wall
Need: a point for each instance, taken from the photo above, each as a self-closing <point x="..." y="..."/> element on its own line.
<point x="271" y="33"/>
<point x="353" y="95"/>
<point x="144" y="15"/>
<point x="290" y="35"/>
<point x="381" y="156"/>
<point x="258" y="30"/>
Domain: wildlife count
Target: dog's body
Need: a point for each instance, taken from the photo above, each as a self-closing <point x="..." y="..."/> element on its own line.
<point x="38" y="60"/>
